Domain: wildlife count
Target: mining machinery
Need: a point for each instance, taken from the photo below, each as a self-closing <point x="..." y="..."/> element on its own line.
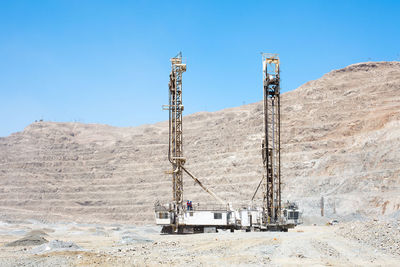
<point x="271" y="142"/>
<point x="175" y="149"/>
<point x="176" y="217"/>
<point x="273" y="218"/>
<point x="181" y="218"/>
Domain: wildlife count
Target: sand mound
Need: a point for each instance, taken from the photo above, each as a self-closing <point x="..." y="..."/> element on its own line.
<point x="31" y="240"/>
<point x="132" y="238"/>
<point x="56" y="245"/>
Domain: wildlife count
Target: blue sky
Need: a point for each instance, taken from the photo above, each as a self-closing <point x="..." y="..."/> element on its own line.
<point x="108" y="61"/>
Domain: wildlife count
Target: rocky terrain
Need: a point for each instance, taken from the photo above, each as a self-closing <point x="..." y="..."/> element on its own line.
<point x="74" y="244"/>
<point x="384" y="236"/>
<point x="340" y="139"/>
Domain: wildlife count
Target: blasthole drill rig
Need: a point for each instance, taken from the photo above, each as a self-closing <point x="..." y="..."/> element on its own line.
<point x="272" y="217"/>
<point x="176" y="217"/>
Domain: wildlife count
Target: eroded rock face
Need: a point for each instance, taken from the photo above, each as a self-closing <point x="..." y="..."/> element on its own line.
<point x="340" y="140"/>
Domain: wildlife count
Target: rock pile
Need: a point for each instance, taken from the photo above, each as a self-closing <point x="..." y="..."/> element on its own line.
<point x="384" y="236"/>
<point x="33" y="238"/>
<point x="30" y="240"/>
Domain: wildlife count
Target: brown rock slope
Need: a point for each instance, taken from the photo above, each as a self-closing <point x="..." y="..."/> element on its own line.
<point x="341" y="136"/>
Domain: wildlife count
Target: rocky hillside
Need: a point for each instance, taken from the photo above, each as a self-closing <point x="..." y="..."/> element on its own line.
<point x="340" y="134"/>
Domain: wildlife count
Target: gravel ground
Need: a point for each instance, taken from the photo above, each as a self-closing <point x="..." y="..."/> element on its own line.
<point x="382" y="235"/>
<point x="72" y="244"/>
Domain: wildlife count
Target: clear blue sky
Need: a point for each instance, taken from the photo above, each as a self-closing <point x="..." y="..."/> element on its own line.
<point x="108" y="61"/>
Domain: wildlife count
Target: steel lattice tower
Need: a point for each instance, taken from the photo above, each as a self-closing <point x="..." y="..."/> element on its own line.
<point x="175" y="152"/>
<point x="271" y="141"/>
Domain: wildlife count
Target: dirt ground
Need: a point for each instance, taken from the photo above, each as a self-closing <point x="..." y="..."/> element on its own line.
<point x="128" y="245"/>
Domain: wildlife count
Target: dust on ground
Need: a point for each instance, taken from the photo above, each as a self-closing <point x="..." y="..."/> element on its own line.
<point x="72" y="244"/>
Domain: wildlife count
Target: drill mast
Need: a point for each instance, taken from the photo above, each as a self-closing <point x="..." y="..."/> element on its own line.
<point x="175" y="152"/>
<point x="271" y="142"/>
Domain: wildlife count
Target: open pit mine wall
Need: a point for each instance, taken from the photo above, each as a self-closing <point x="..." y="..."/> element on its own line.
<point x="340" y="140"/>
